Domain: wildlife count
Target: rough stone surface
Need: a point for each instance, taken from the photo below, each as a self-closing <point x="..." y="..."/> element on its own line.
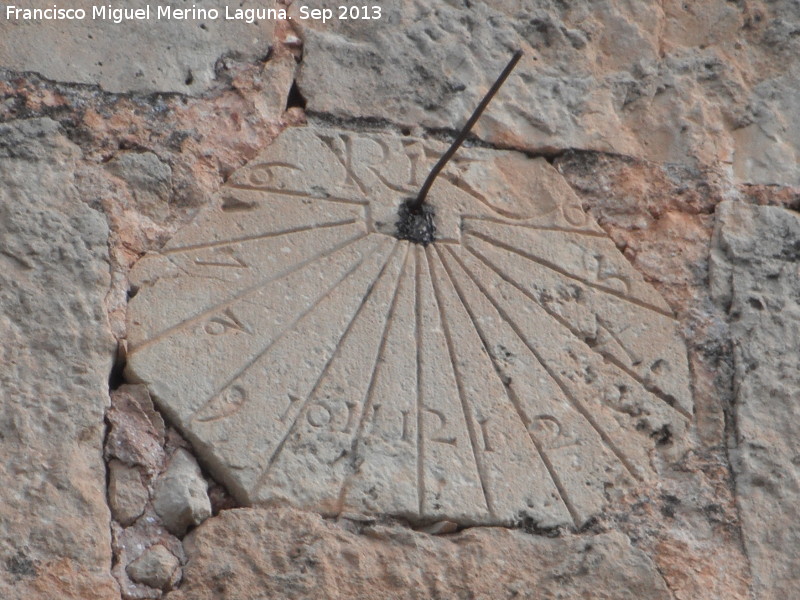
<point x="149" y="179"/>
<point x="181" y="494"/>
<point x="286" y="554"/>
<point x="674" y="81"/>
<point x="157" y="567"/>
<point x="515" y="368"/>
<point x="137" y="433"/>
<point x="127" y="495"/>
<point x="166" y="55"/>
<point x="653" y="112"/>
<point x="756" y="278"/>
<point x="129" y="543"/>
<point x="55" y="357"/>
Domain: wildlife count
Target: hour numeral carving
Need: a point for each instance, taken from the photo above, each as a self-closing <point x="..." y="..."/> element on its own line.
<point x="611" y="335"/>
<point x="342" y="147"/>
<point x="439" y="435"/>
<point x="484" y="423"/>
<point x="414" y="151"/>
<point x="602" y="273"/>
<point x="574" y="214"/>
<point x="264" y="174"/>
<point x="226" y="403"/>
<point x="406" y="434"/>
<point x="351" y="416"/>
<point x="343" y="151"/>
<point x="225" y="323"/>
<point x="292" y="401"/>
<point x="550" y="433"/>
<point x="319" y="415"/>
<point x="619" y="398"/>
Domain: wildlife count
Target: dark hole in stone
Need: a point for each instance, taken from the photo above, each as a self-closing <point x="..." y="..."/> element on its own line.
<point x="670" y="503"/>
<point x="663" y="436"/>
<point x="755" y="303"/>
<point x="189" y="78"/>
<point x="530" y="525"/>
<point x="415" y="224"/>
<point x="117" y="376"/>
<point x="295" y="98"/>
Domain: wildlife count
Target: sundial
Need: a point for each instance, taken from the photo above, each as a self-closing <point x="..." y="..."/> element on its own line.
<point x="514" y="367"/>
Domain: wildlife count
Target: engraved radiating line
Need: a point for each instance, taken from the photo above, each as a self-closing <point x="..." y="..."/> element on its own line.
<point x="279" y="448"/>
<point x="285" y="330"/>
<point x="462" y="185"/>
<point x="553" y="267"/>
<point x="418" y="339"/>
<point x="513" y="399"/>
<point x="246" y="292"/>
<point x="564" y="323"/>
<point x="465" y="408"/>
<point x="370" y="394"/>
<point x="257" y="236"/>
<point x="531" y="226"/>
<point x="298" y="194"/>
<point x="573" y="400"/>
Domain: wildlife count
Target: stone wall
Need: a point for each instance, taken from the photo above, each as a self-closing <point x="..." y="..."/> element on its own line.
<point x="671" y="126"/>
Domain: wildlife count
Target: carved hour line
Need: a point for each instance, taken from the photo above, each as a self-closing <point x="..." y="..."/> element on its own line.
<point x="586" y="232"/>
<point x="243" y="294"/>
<point x="285" y="330"/>
<point x="418" y="340"/>
<point x="369" y="397"/>
<point x="511" y="395"/>
<point x="279" y="448"/>
<point x="555" y="268"/>
<point x="188" y="273"/>
<point x="297" y="194"/>
<point x="251" y="238"/>
<point x="465" y="187"/>
<point x="556" y="379"/>
<point x="658" y="393"/>
<point x="632" y="356"/>
<point x="236" y="263"/>
<point x="469" y="418"/>
<point x="564" y="323"/>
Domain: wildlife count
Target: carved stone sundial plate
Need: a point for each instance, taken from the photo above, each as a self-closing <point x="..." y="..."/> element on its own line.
<point x="516" y="367"/>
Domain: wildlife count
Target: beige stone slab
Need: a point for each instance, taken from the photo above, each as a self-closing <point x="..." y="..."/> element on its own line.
<point x="517" y="368"/>
<point x="55" y="357"/>
<point x="385" y="454"/>
<point x="755" y="278"/>
<point x="152" y="55"/>
<point x="305" y="556"/>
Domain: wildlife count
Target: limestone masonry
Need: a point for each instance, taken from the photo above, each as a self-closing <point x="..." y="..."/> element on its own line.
<point x="236" y="363"/>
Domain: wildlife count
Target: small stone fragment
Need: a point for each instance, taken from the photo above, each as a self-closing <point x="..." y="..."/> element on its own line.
<point x="137" y="430"/>
<point x="126" y="493"/>
<point x="156" y="567"/>
<point x="440" y="528"/>
<point x="149" y="180"/>
<point x="181" y="496"/>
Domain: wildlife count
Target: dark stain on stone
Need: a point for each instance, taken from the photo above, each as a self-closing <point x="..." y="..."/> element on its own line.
<point x="21" y="565"/>
<point x="416" y="226"/>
